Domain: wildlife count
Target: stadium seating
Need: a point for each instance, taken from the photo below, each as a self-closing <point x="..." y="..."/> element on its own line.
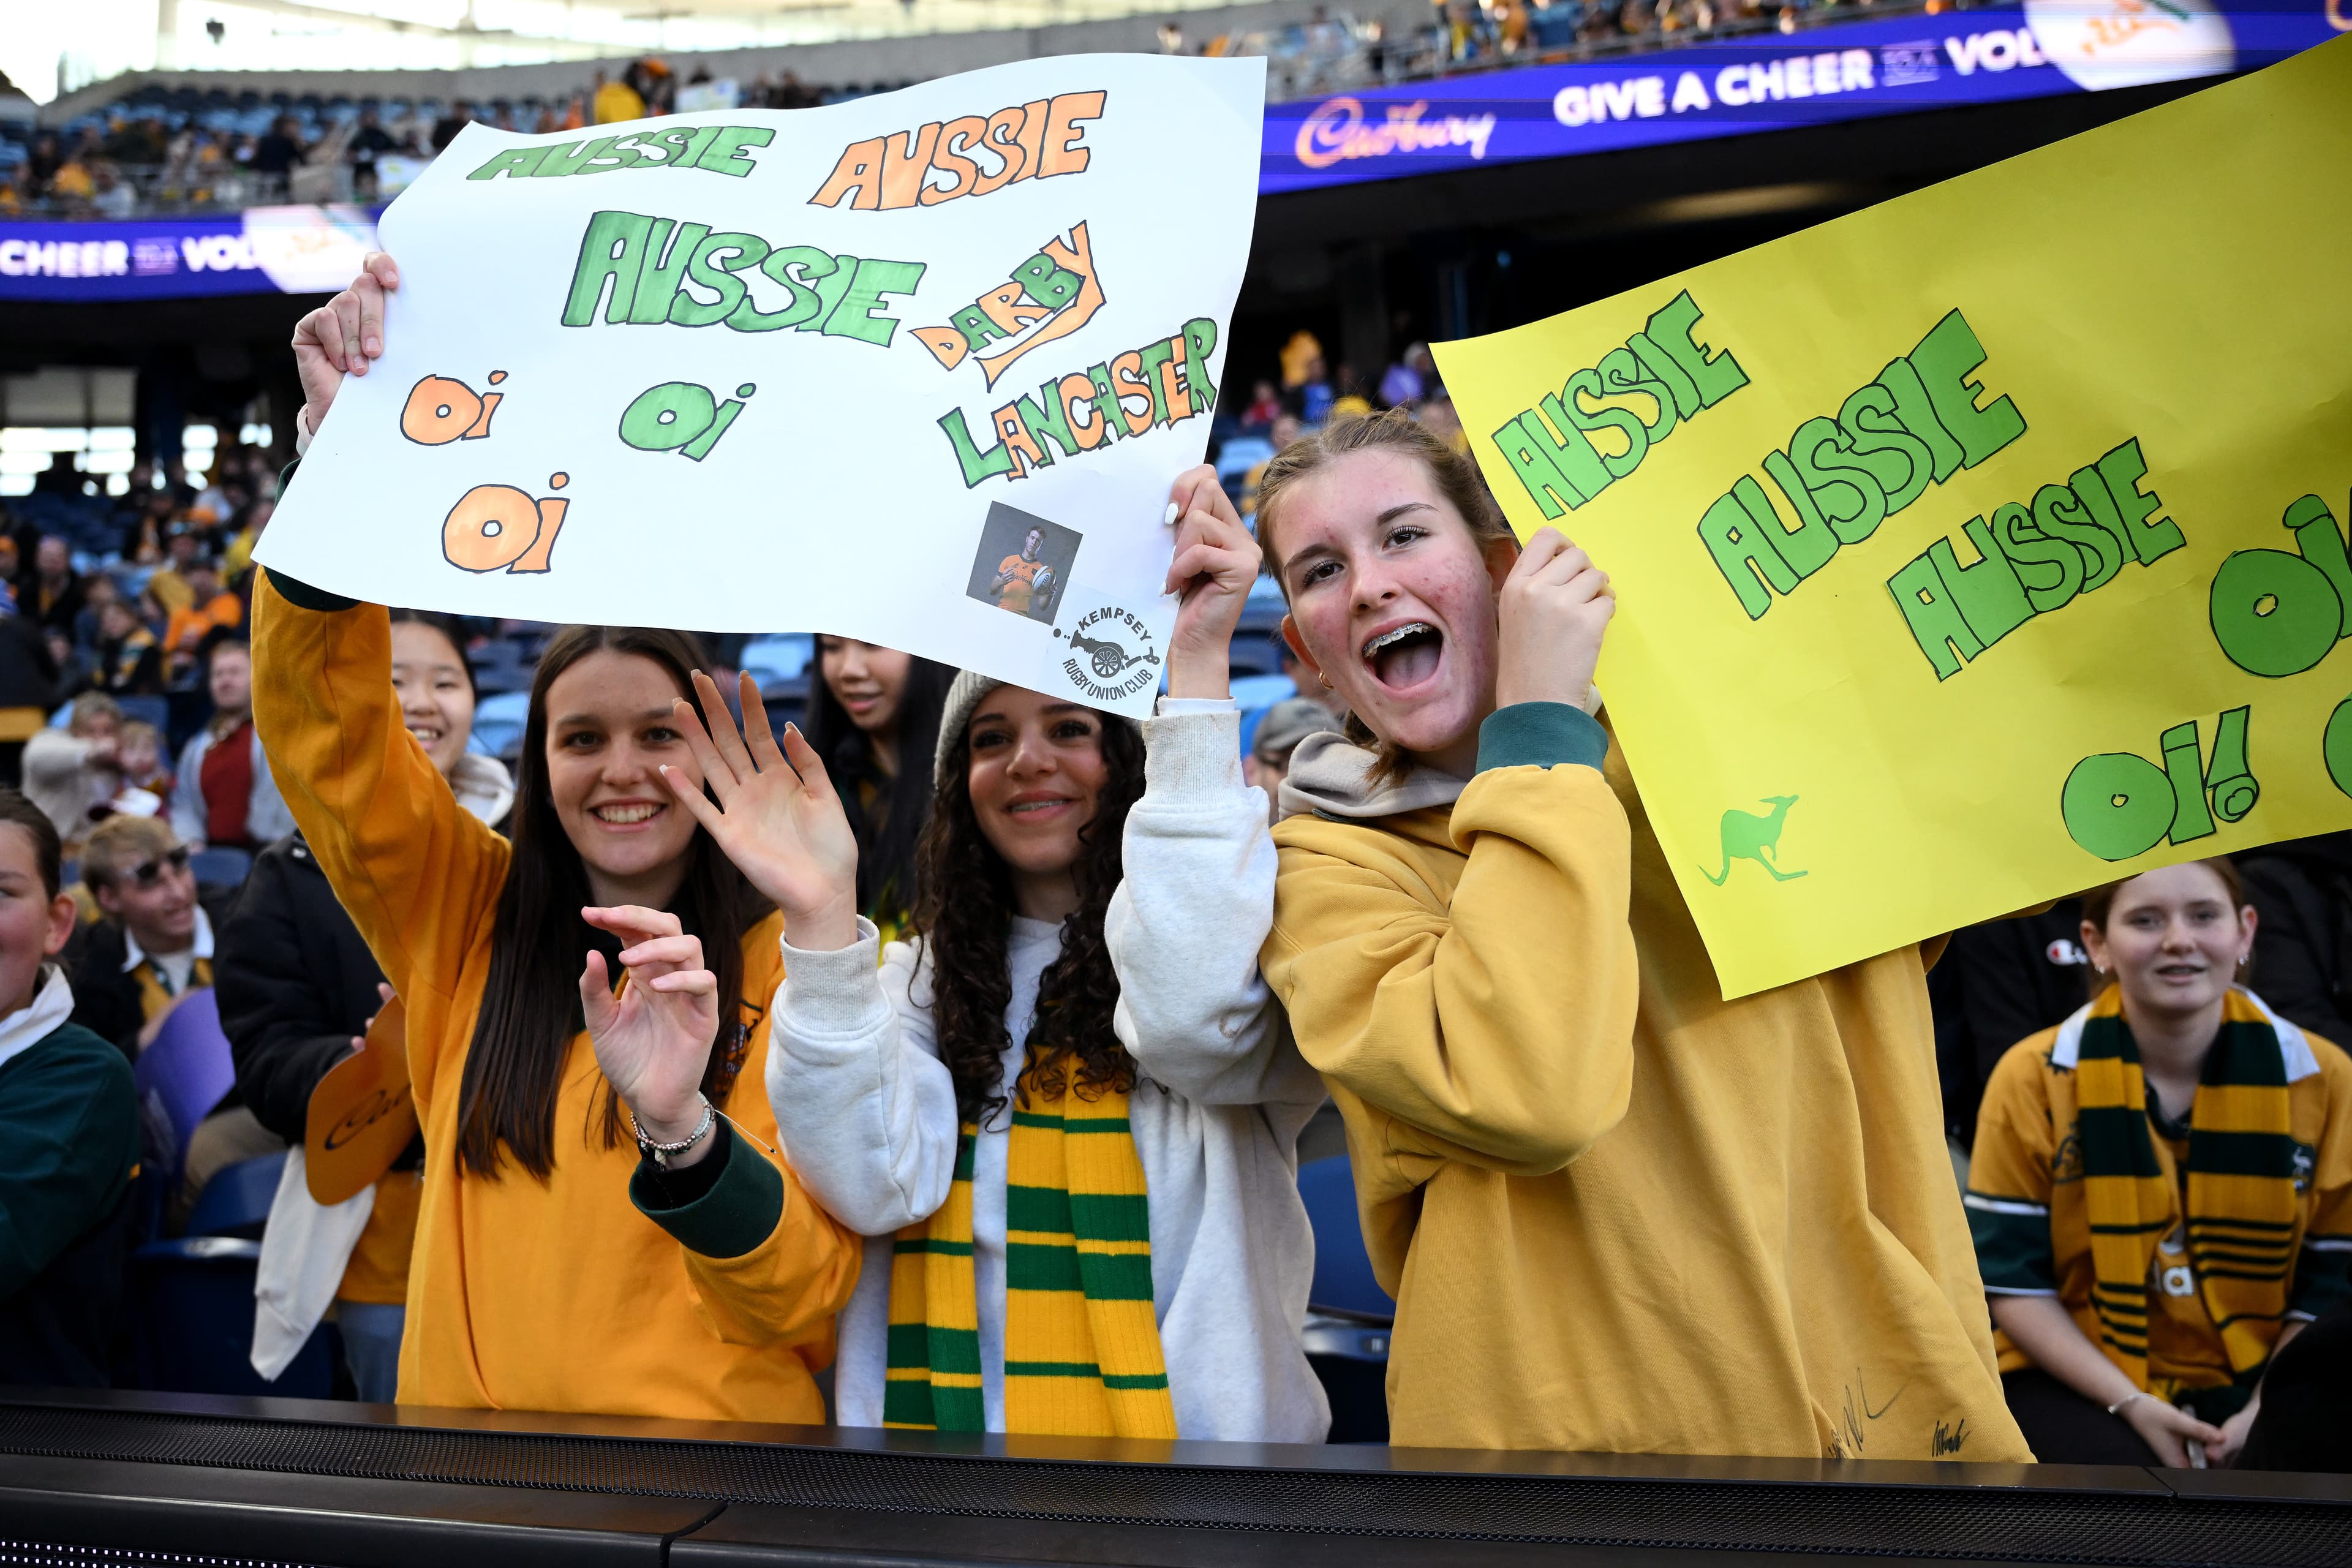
<point x="236" y="1201"/>
<point x="192" y="1325"/>
<point x="1349" y="1316"/>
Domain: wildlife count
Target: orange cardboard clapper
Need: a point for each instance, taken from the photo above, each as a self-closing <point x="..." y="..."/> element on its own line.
<point x="361" y="1114"/>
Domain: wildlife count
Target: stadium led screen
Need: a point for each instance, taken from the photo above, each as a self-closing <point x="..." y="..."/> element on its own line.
<point x="1770" y="82"/>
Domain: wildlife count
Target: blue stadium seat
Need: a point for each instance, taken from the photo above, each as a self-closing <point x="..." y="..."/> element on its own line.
<point x="498" y="720"/>
<point x="774" y="662"/>
<point x="1348" y="1314"/>
<point x="192" y="1324"/>
<point x="236" y="1201"/>
<point x="221" y="867"/>
<point x="155" y="710"/>
<point x="1343" y="1269"/>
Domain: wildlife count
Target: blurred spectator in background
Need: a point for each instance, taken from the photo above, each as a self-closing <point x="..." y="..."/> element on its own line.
<point x="139" y="759"/>
<point x="129" y="663"/>
<point x="368" y="141"/>
<point x="1438" y="416"/>
<point x="48" y="593"/>
<point x="615" y="100"/>
<point x="170" y="588"/>
<point x="1286" y="724"/>
<point x="1301" y="357"/>
<point x="74" y="666"/>
<point x="238" y="559"/>
<point x="68" y="770"/>
<point x="222" y="795"/>
<point x="42" y="163"/>
<point x="2302" y="893"/>
<point x="145" y="530"/>
<point x="152" y="950"/>
<point x="279" y="149"/>
<point x="210" y="609"/>
<point x="446" y="129"/>
<point x="60" y="477"/>
<point x="870" y="709"/>
<point x="1410" y="379"/>
<point x="28" y="690"/>
<point x="1265" y="406"/>
<point x="69" y="1132"/>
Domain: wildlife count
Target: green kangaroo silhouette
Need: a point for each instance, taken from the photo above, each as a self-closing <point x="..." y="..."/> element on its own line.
<point x="1753" y="836"/>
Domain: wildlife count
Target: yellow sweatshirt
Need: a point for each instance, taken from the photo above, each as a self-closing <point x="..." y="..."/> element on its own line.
<point x="1618" y="1213"/>
<point x="521" y="1294"/>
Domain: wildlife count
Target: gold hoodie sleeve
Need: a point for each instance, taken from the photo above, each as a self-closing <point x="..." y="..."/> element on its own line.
<point x="418" y="873"/>
<point x="1478" y="994"/>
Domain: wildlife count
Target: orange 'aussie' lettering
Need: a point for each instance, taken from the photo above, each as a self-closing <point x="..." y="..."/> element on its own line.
<point x="964" y="157"/>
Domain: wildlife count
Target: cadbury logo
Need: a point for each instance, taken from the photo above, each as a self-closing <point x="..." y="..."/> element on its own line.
<point x="1337" y="129"/>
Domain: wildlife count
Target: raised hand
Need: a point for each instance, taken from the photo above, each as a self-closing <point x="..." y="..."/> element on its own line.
<point x="777" y="816"/>
<point x="1553" y="608"/>
<point x="341" y="336"/>
<point x="1216" y="562"/>
<point x="652" y="1041"/>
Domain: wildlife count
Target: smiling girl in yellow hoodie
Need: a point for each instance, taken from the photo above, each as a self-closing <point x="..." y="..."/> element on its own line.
<point x="1617" y="1213"/>
<point x="556" y="1267"/>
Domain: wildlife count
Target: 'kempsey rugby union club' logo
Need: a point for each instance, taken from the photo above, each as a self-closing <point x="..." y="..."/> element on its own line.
<point x="1111" y="654"/>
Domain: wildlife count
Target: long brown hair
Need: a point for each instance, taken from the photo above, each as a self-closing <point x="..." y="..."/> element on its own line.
<point x="530" y="1005"/>
<point x="1392" y="430"/>
<point x="964" y="913"/>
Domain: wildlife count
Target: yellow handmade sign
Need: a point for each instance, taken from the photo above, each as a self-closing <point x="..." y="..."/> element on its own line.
<point x="1979" y="547"/>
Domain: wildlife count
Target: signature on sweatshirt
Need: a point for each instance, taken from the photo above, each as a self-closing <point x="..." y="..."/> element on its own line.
<point x="1852" y="1434"/>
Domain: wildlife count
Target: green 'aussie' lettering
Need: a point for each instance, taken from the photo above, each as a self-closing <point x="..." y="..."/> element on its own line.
<point x="1551" y="446"/>
<point x="637" y="270"/>
<point x="1917" y="424"/>
<point x="720" y="149"/>
<point x="2031" y="559"/>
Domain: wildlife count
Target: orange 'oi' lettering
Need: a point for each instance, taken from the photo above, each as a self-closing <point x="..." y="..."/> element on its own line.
<point x="441" y="410"/>
<point x="495" y="526"/>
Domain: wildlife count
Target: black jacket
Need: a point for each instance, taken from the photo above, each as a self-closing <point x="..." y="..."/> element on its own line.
<point x="1997" y="983"/>
<point x="295" y="983"/>
<point x="106" y="997"/>
<point x="2302" y="894"/>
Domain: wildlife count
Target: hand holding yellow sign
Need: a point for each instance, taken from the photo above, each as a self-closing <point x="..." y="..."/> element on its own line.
<point x="1977" y="548"/>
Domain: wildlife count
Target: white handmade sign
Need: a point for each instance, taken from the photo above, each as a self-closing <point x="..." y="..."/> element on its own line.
<point x="917" y="370"/>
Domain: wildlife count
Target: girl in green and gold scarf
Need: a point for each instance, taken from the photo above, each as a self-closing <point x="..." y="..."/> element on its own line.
<point x="2161" y="1192"/>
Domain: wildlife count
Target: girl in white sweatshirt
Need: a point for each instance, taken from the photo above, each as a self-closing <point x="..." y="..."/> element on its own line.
<point x="1065" y="1113"/>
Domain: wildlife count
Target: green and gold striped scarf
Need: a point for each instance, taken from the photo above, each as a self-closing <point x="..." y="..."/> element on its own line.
<point x="1082" y="1354"/>
<point x="2241" y="1180"/>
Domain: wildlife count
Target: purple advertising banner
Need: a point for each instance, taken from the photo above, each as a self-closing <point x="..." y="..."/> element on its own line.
<point x="1772" y="81"/>
<point x="290" y="250"/>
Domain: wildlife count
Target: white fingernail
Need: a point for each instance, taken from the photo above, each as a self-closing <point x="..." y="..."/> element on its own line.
<point x="1174" y="512"/>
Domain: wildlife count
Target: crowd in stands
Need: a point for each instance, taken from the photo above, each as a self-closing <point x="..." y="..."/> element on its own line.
<point x="1045" y="1005"/>
<point x="162" y="149"/>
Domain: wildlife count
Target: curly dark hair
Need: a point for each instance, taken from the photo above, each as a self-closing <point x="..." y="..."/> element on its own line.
<point x="963" y="915"/>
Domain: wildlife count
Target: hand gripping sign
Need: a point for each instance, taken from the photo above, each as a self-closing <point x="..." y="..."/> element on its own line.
<point x="656" y="375"/>
<point x="1979" y="548"/>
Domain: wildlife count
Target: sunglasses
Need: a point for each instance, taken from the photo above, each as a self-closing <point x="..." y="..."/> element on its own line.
<point x="147" y="873"/>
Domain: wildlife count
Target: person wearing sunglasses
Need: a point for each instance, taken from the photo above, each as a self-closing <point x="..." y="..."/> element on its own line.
<point x="150" y="952"/>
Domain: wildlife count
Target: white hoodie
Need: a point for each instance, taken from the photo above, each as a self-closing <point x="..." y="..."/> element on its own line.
<point x="867" y="1112"/>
